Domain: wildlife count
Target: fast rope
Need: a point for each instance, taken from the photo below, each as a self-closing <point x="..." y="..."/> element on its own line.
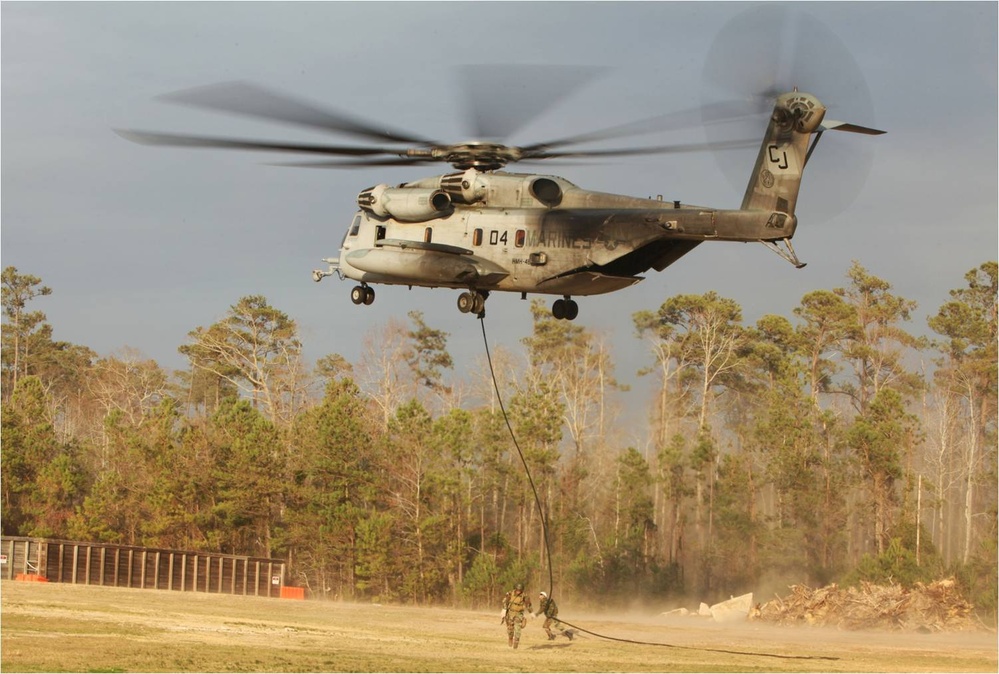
<point x="548" y="552"/>
<point x="527" y="470"/>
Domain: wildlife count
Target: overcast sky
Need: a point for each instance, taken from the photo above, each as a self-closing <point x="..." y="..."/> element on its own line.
<point x="141" y="245"/>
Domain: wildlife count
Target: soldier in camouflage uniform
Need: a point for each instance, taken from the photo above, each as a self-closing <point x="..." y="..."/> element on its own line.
<point x="516" y="606"/>
<point x="548" y="606"/>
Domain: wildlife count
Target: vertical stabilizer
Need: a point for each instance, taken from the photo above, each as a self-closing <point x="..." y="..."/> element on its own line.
<point x="777" y="176"/>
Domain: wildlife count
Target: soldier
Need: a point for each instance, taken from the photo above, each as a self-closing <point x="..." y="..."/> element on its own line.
<point x="548" y="606"/>
<point x="516" y="606"/>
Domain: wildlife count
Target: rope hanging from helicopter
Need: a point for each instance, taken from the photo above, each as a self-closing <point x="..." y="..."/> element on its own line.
<point x="548" y="553"/>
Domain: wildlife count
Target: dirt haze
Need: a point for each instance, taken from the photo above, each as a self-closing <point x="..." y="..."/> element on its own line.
<point x="57" y="627"/>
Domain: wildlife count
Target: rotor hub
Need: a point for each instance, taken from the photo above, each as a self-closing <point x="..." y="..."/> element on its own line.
<point x="477" y="155"/>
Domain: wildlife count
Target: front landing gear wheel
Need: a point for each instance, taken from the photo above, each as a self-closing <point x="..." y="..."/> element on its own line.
<point x="478" y="304"/>
<point x="472" y="302"/>
<point x="362" y="295"/>
<point x="466" y="302"/>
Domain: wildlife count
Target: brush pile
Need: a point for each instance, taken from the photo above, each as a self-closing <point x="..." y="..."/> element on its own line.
<point x="937" y="607"/>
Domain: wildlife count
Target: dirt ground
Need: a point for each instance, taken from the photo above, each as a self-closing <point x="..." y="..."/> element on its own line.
<point x="57" y="627"/>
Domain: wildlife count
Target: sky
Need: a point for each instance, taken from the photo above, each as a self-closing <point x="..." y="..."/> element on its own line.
<point x="142" y="245"/>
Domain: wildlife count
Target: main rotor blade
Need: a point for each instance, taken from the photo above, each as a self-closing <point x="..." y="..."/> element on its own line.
<point x="714" y="113"/>
<point x="363" y="163"/>
<point x="243" y="98"/>
<point x="502" y="98"/>
<point x="735" y="144"/>
<point x="176" y="140"/>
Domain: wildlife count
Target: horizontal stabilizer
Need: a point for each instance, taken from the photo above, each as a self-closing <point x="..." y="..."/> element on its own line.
<point x="831" y="125"/>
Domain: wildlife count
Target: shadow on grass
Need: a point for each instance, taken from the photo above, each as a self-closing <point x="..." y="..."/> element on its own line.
<point x="544" y="647"/>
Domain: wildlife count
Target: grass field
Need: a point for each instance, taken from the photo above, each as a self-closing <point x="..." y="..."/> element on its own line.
<point x="56" y="628"/>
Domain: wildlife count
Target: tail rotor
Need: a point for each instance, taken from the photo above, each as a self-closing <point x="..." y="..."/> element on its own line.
<point x="773" y="49"/>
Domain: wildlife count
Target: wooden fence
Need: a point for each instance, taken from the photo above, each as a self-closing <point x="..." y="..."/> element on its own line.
<point x="136" y="567"/>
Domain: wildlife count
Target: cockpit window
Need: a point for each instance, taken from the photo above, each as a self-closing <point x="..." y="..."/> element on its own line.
<point x="356" y="225"/>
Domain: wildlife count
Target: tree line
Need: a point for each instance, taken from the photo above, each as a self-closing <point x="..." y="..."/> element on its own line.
<point x="833" y="444"/>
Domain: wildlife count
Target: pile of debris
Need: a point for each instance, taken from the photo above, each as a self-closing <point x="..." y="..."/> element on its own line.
<point x="937" y="607"/>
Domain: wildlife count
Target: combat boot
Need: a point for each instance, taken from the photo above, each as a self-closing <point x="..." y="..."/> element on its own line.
<point x="509" y="641"/>
<point x="516" y="642"/>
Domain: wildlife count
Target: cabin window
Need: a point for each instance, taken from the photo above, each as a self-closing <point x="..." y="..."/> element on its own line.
<point x="477" y="237"/>
<point x="379" y="232"/>
<point x="428" y="235"/>
<point x="520" y="238"/>
<point x="355" y="226"/>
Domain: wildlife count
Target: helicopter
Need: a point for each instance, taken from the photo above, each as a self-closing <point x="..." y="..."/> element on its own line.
<point x="481" y="229"/>
<point x="528" y="233"/>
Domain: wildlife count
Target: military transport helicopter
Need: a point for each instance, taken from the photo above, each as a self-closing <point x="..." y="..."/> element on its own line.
<point x="481" y="229"/>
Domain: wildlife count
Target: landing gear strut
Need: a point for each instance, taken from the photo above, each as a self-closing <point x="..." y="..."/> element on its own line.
<point x="362" y="294"/>
<point x="565" y="308"/>
<point x="473" y="301"/>
<point x="787" y="252"/>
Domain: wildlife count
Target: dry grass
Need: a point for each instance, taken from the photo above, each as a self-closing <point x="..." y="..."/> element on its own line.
<point x="55" y="627"/>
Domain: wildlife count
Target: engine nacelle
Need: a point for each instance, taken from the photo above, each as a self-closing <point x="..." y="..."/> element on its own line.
<point x="468" y="187"/>
<point x="407" y="204"/>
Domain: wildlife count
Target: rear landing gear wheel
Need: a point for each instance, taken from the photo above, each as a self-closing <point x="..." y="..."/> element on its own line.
<point x="369" y="295"/>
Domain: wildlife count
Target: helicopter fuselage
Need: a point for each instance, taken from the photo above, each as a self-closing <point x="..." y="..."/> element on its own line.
<point x="486" y="231"/>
